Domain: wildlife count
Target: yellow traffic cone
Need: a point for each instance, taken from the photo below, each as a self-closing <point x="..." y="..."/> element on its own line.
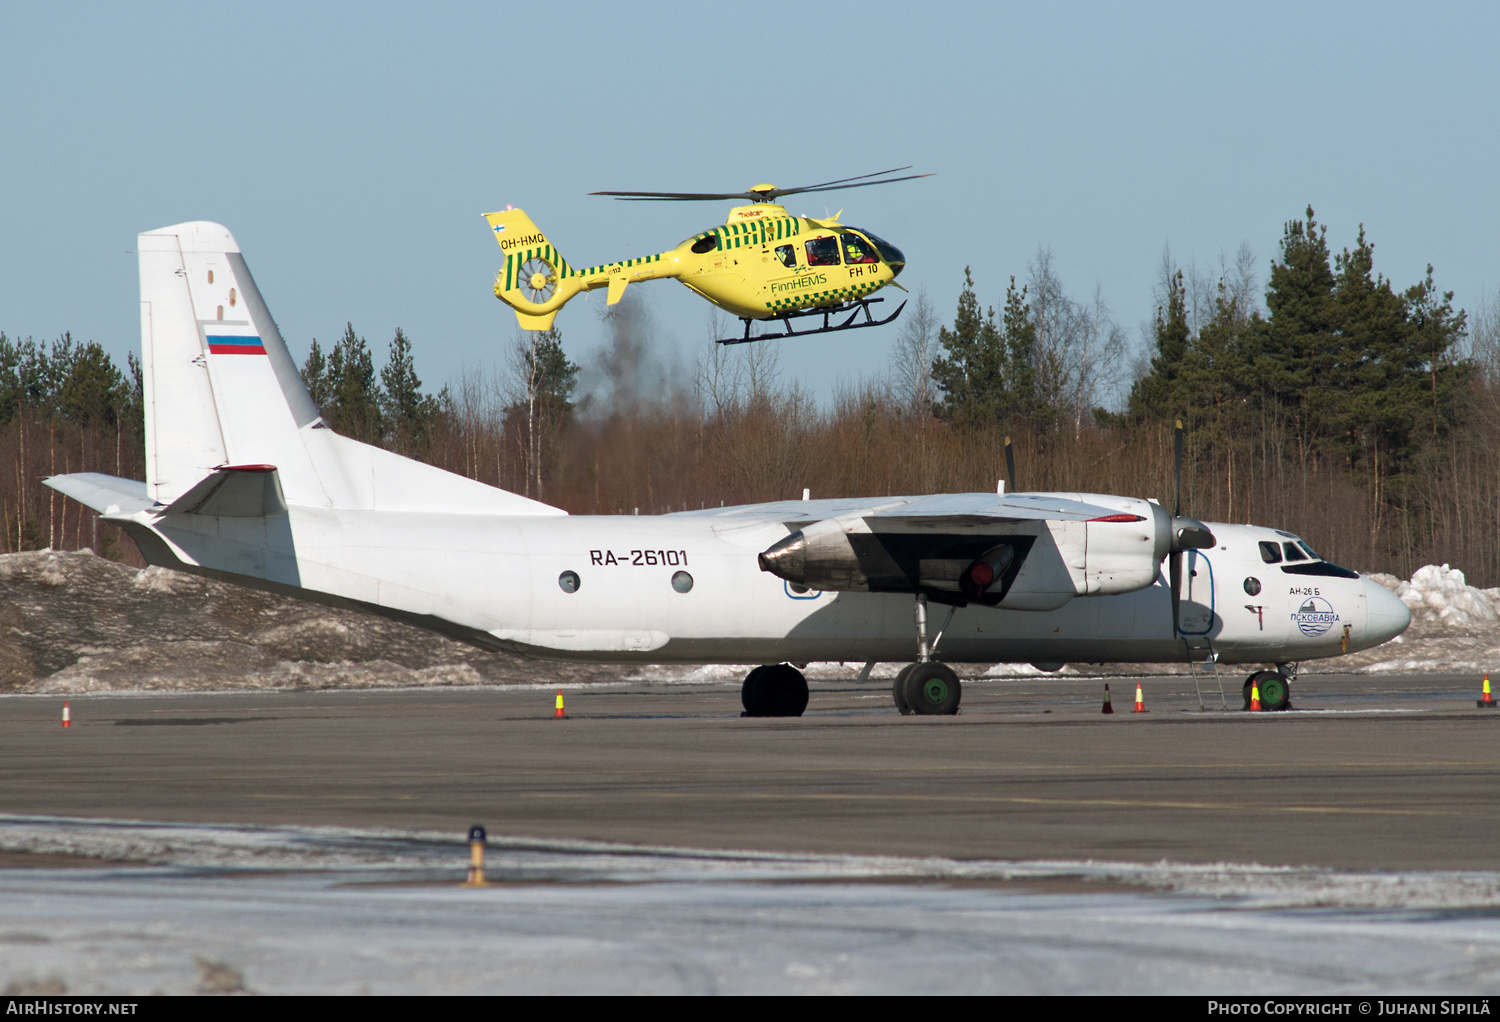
<point x="1485" y="702"/>
<point x="559" y="714"/>
<point x="1140" y="703"/>
<point x="1255" y="697"/>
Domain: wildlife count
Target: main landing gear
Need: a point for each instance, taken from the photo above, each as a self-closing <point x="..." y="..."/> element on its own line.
<point x="927" y="687"/>
<point x="1275" y="690"/>
<point x="774" y="690"/>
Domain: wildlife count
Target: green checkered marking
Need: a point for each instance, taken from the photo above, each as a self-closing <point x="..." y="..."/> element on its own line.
<point x="833" y="296"/>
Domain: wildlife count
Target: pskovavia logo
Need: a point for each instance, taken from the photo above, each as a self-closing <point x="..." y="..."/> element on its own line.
<point x="1315" y="616"/>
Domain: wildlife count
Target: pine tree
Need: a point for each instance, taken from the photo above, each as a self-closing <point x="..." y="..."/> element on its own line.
<point x="354" y="400"/>
<point x="408" y="412"/>
<point x="1159" y="393"/>
<point x="971" y="373"/>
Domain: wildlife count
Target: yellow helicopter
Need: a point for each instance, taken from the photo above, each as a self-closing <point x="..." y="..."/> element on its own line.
<point x="762" y="264"/>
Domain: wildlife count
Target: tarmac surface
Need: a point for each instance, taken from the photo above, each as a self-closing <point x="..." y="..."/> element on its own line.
<point x="1368" y="773"/>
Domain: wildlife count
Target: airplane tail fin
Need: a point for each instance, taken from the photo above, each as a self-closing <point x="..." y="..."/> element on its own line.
<point x="536" y="280"/>
<point x="230" y="426"/>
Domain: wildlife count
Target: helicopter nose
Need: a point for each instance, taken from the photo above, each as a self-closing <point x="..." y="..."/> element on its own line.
<point x="895" y="259"/>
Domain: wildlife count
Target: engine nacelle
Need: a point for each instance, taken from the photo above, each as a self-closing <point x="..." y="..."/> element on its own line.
<point x="1020" y="565"/>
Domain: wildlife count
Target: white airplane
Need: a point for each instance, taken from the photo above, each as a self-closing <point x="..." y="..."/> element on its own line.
<point x="245" y="483"/>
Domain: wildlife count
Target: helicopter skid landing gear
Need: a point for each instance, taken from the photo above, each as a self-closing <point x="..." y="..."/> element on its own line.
<point x="854" y="308"/>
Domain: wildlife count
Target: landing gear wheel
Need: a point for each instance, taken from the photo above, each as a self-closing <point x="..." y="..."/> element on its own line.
<point x="1275" y="690"/>
<point x="898" y="690"/>
<point x="933" y="689"/>
<point x="774" y="690"/>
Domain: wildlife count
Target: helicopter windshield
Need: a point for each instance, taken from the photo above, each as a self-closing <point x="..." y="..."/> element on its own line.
<point x="890" y="253"/>
<point x="823" y="252"/>
<point x="857" y="250"/>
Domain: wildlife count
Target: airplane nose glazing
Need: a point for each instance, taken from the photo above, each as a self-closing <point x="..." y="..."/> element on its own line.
<point x="1385" y="616"/>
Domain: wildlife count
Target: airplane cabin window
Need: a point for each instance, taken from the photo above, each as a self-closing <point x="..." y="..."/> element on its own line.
<point x="857" y="250"/>
<point x="1270" y="553"/>
<point x="568" y="581"/>
<point x="823" y="252"/>
<point x="788" y="256"/>
<point x="1292" y="553"/>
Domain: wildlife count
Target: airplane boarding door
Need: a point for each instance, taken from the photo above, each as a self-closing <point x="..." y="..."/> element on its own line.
<point x="1195" y="614"/>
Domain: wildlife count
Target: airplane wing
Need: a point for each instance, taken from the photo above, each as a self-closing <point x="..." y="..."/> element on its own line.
<point x="935" y="509"/>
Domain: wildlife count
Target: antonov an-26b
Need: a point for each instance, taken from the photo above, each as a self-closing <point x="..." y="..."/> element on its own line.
<point x="245" y="483"/>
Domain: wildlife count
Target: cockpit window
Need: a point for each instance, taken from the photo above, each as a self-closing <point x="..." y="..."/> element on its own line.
<point x="858" y="250"/>
<point x="1309" y="549"/>
<point x="1292" y="553"/>
<point x="890" y="253"/>
<point x="823" y="252"/>
<point x="1270" y="553"/>
<point x="707" y="243"/>
<point x="788" y="256"/>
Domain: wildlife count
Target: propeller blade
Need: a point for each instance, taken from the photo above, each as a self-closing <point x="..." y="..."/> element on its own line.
<point x="1010" y="466"/>
<point x="1175" y="567"/>
<point x="1177" y="467"/>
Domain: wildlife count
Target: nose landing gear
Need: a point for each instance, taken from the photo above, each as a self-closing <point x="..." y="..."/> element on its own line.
<point x="1275" y="690"/>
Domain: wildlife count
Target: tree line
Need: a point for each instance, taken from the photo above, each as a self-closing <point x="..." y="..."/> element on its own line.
<point x="1322" y="398"/>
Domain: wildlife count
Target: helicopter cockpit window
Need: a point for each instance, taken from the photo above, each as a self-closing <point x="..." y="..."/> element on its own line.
<point x="707" y="243"/>
<point x="788" y="256"/>
<point x="823" y="252"/>
<point x="858" y="250"/>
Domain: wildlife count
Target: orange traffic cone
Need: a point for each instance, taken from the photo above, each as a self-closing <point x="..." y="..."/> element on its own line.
<point x="1140" y="704"/>
<point x="559" y="714"/>
<point x="68" y="717"/>
<point x="1485" y="701"/>
<point x="1107" y="708"/>
<point x="1255" y="697"/>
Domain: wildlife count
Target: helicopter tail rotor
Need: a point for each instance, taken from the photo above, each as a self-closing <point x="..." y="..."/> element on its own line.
<point x="536" y="280"/>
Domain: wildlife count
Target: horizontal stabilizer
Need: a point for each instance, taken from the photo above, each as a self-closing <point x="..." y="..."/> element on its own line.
<point x="109" y="495"/>
<point x="239" y="491"/>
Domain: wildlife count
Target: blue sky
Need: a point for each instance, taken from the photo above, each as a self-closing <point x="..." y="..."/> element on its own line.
<point x="352" y="148"/>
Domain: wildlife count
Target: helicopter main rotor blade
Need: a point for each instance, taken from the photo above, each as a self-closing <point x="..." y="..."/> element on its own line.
<point x="767" y="195"/>
<point x="834" y="188"/>
<point x="676" y="196"/>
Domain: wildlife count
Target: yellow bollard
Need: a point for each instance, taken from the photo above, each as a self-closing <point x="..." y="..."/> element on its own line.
<point x="476" y="857"/>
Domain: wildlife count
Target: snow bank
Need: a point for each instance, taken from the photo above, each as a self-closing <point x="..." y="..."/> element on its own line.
<point x="1442" y="602"/>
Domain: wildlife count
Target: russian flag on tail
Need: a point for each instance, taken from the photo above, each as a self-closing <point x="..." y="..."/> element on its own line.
<point x="220" y="345"/>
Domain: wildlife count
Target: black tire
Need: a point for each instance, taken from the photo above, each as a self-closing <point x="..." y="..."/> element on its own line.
<point x="1275" y="691"/>
<point x="751" y="697"/>
<point x="933" y="689"/>
<point x="898" y="690"/>
<point x="783" y="691"/>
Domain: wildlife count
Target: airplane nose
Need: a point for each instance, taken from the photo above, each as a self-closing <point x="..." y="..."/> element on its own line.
<point x="1385" y="616"/>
